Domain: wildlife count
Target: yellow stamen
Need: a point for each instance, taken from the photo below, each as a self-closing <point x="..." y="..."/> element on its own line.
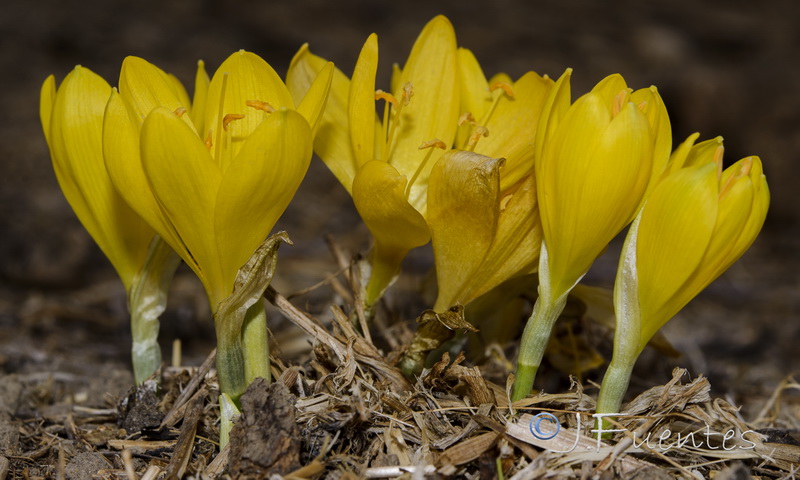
<point x="481" y="131"/>
<point x="620" y="100"/>
<point x="429" y="145"/>
<point x="386" y="96"/>
<point x="505" y="87"/>
<point x="219" y="119"/>
<point x="179" y="112"/>
<point x="743" y="170"/>
<point x="394" y="120"/>
<point x="227" y="119"/>
<point x="259" y="105"/>
<point x="208" y="140"/>
<point x="466" y="118"/>
<point x="477" y="133"/>
<point x="408" y="92"/>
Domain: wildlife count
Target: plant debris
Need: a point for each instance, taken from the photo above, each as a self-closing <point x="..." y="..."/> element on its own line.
<point x="347" y="412"/>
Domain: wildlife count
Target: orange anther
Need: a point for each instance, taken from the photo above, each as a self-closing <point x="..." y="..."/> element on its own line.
<point x="619" y="101"/>
<point x="435" y="143"/>
<point x="259" y="105"/>
<point x="466" y="118"/>
<point x="227" y="119"/>
<point x="477" y="133"/>
<point x="507" y="89"/>
<point x="386" y="96"/>
<point x="179" y="112"/>
<point x="208" y="140"/>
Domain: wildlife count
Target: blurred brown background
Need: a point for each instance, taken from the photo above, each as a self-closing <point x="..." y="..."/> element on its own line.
<point x="728" y="67"/>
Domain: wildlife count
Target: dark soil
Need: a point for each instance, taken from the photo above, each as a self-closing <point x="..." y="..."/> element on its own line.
<point x="725" y="68"/>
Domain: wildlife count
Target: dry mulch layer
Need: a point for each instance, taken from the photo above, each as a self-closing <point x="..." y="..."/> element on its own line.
<point x="347" y="412"/>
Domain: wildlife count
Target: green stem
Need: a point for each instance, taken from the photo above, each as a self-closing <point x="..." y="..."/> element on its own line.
<point x="147" y="300"/>
<point x="241" y="322"/>
<point x="614" y="386"/>
<point x="533" y="343"/>
<point x="612" y="391"/>
<point x="230" y="361"/>
<point x="256" y="344"/>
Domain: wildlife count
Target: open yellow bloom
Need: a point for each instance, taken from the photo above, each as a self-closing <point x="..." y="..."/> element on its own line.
<point x="595" y="161"/>
<point x="72" y="119"/>
<point x="697" y="222"/>
<point x="385" y="163"/>
<point x="483" y="215"/>
<point x="213" y="183"/>
<point x="482" y="210"/>
<point x="200" y="183"/>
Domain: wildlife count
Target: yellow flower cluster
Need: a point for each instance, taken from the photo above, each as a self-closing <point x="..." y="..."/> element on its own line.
<point x="506" y="178"/>
<point x="208" y="177"/>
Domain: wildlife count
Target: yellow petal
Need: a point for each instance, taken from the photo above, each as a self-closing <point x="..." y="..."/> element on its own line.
<point x="258" y="187"/>
<point x="433" y="110"/>
<point x="675" y="230"/>
<point x="515" y="249"/>
<point x="555" y="107"/>
<point x="47" y="98"/>
<point x="243" y="77"/>
<point x="198" y="110"/>
<point x="650" y="102"/>
<point x="75" y="139"/>
<point x="512" y="127"/>
<point x="313" y="104"/>
<point x="475" y="95"/>
<point x="609" y="87"/>
<point x="145" y="87"/>
<point x="705" y="152"/>
<point x="185" y="180"/>
<point x="741" y="215"/>
<point x="180" y="90"/>
<point x="678" y="157"/>
<point x="592" y="178"/>
<point x="463" y="209"/>
<point x="379" y="196"/>
<point x="758" y="211"/>
<point x="332" y="141"/>
<point x="361" y="106"/>
<point x="124" y="166"/>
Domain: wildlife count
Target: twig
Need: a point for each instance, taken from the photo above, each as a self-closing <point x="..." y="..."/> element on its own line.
<point x="4" y="464"/>
<point x="183" y="449"/>
<point x="175" y="412"/>
<point x="127" y="460"/>
<point x="364" y="353"/>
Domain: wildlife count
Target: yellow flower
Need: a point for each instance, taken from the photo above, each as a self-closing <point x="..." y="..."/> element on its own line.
<point x="698" y="220"/>
<point x="72" y="119"/>
<point x="199" y="179"/>
<point x="482" y="209"/>
<point x="595" y="161"/>
<point x="385" y="163"/>
<point x="213" y="183"/>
